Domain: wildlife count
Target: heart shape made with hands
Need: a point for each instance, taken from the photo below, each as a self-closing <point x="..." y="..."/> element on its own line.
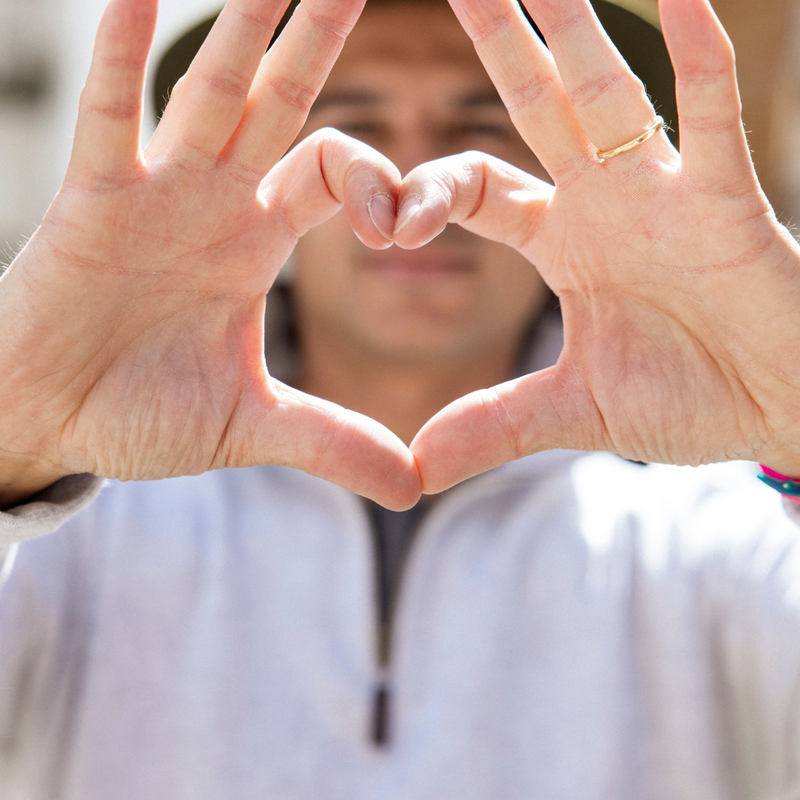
<point x="133" y="348"/>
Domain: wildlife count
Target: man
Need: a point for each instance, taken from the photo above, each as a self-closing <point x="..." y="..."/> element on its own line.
<point x="569" y="626"/>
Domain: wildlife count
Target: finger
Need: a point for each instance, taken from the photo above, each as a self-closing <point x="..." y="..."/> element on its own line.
<point x="479" y="192"/>
<point x="527" y="79"/>
<point x="329" y="170"/>
<point x="610" y="102"/>
<point x="289" y="80"/>
<point x="543" y="411"/>
<point x="713" y="140"/>
<point x="109" y="119"/>
<point x="280" y="425"/>
<point x="207" y="104"/>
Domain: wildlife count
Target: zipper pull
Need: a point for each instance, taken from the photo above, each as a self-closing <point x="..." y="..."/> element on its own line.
<point x="381" y="707"/>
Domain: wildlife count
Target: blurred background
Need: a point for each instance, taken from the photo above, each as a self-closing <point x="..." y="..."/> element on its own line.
<point x="45" y="49"/>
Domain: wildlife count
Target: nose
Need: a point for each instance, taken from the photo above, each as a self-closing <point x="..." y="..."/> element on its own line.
<point x="416" y="144"/>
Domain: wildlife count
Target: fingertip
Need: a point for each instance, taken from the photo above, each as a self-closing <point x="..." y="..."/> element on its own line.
<point x="419" y="222"/>
<point x="107" y="136"/>
<point x="369" y="190"/>
<point x="383" y="213"/>
<point x="373" y="221"/>
<point x="403" y="487"/>
<point x="444" y="452"/>
<point x="409" y="209"/>
<point x="129" y="22"/>
<point x="390" y="475"/>
<point x="694" y="35"/>
<point x="333" y="443"/>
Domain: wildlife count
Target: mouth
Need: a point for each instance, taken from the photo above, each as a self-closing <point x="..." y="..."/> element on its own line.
<point x="420" y="264"/>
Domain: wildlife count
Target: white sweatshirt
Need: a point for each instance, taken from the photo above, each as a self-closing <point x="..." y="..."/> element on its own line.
<point x="568" y="627"/>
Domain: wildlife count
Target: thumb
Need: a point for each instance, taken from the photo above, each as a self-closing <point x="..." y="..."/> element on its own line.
<point x="479" y="192"/>
<point x="546" y="410"/>
<point x="277" y="424"/>
<point x="328" y="171"/>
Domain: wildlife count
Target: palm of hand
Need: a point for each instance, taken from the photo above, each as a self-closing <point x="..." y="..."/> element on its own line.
<point x="661" y="291"/>
<point x="140" y="301"/>
<point x="180" y="320"/>
<point x="676" y="283"/>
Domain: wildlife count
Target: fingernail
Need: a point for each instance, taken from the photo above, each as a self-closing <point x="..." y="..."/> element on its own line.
<point x="382" y="214"/>
<point x="408" y="211"/>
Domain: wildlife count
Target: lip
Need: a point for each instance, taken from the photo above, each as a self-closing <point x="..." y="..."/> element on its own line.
<point x="413" y="264"/>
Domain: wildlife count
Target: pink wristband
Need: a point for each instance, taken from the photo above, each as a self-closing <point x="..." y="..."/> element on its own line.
<point x="788" y="487"/>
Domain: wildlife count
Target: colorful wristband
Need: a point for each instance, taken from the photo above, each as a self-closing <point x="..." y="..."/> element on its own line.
<point x="788" y="487"/>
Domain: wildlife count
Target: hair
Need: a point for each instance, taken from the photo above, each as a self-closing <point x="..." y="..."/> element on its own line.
<point x="631" y="25"/>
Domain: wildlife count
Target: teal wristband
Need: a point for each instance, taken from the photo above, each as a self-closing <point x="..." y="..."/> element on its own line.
<point x="780" y="483"/>
<point x="789" y="488"/>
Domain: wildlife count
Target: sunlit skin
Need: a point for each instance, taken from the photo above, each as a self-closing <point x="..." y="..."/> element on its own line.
<point x="132" y="343"/>
<point x="397" y="334"/>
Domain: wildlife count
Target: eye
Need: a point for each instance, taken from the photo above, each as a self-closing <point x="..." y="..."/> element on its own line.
<point x="358" y="128"/>
<point x="485" y="129"/>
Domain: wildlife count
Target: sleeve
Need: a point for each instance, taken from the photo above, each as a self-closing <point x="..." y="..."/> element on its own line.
<point x="792" y="510"/>
<point x="48" y="510"/>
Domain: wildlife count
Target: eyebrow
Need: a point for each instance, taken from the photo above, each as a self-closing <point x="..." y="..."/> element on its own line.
<point x="346" y="98"/>
<point x="479" y="100"/>
<point x="366" y="99"/>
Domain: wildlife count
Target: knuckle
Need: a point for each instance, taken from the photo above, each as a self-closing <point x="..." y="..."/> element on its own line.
<point x="469" y="190"/>
<point x="710" y="124"/>
<point x="330" y="133"/>
<point x="267" y="24"/>
<point x="491" y="28"/>
<point x="704" y="76"/>
<point x="333" y="430"/>
<point x="332" y="28"/>
<point x="115" y="112"/>
<point x="294" y="94"/>
<point x="122" y="64"/>
<point x="527" y="232"/>
<point x="331" y="138"/>
<point x="566" y="172"/>
<point x="590" y="92"/>
<point x="563" y="26"/>
<point x="229" y="83"/>
<point x="506" y="423"/>
<point x="447" y="185"/>
<point x="193" y="157"/>
<point x="282" y="215"/>
<point x="244" y="173"/>
<point x="527" y="94"/>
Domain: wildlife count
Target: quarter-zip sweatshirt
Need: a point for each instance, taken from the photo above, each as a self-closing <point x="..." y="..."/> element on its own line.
<point x="567" y="627"/>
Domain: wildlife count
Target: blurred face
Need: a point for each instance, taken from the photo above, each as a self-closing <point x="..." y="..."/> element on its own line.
<point x="409" y="83"/>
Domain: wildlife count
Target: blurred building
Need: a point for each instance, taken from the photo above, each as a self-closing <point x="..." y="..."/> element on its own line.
<point x="30" y="57"/>
<point x="45" y="50"/>
<point x="766" y="35"/>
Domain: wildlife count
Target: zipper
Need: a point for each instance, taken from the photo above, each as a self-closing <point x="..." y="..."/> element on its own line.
<point x="381" y="717"/>
<point x="380" y="720"/>
<point x="381" y="706"/>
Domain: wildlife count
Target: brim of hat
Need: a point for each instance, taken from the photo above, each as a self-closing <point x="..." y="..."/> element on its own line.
<point x="632" y="25"/>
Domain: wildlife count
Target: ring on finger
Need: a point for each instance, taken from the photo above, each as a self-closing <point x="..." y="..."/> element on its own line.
<point x="657" y="126"/>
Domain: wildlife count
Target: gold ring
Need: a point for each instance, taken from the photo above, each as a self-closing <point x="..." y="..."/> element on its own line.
<point x="649" y="133"/>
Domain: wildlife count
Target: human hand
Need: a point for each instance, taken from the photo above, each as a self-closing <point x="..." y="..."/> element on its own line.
<point x="678" y="287"/>
<point x="132" y="338"/>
